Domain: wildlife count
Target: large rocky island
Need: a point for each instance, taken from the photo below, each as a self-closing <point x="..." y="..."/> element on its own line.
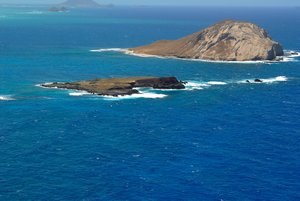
<point x="225" y="41"/>
<point x="119" y="86"/>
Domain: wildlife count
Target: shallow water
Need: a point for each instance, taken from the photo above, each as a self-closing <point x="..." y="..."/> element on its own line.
<point x="220" y="139"/>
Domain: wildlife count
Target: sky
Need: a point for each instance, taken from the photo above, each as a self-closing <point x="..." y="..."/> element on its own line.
<point x="175" y="2"/>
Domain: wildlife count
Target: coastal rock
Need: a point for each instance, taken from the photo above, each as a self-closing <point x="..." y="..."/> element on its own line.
<point x="119" y="86"/>
<point x="258" y="80"/>
<point x="225" y="41"/>
<point x="160" y="83"/>
<point x="57" y="9"/>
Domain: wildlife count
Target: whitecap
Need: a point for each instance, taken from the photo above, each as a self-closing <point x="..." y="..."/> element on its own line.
<point x="216" y="83"/>
<point x="289" y="56"/>
<point x="147" y="95"/>
<point x="291" y="53"/>
<point x="6" y="98"/>
<point x="265" y="81"/>
<point x="276" y="79"/>
<point x="79" y="93"/>
<point x="193" y="85"/>
<point x="46" y="83"/>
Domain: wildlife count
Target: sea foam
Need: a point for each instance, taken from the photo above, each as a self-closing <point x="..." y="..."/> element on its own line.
<point x="46" y="83"/>
<point x="216" y="83"/>
<point x="147" y="95"/>
<point x="265" y="81"/>
<point x="110" y="50"/>
<point x="275" y="79"/>
<point x="6" y="98"/>
<point x="79" y="93"/>
<point x="289" y="56"/>
<point x="196" y="85"/>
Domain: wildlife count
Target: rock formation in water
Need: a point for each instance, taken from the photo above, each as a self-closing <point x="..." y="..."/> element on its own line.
<point x="58" y="9"/>
<point x="225" y="41"/>
<point x="82" y="4"/>
<point x="119" y="86"/>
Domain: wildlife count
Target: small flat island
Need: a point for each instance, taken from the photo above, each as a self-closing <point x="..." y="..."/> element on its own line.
<point x="83" y="4"/>
<point x="119" y="86"/>
<point x="225" y="41"/>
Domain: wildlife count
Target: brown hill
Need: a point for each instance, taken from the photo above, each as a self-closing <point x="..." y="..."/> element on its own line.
<point x="225" y="41"/>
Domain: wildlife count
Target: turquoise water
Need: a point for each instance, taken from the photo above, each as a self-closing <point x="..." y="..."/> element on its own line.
<point x="217" y="142"/>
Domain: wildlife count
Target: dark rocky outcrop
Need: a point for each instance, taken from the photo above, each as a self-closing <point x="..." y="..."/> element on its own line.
<point x="159" y="83"/>
<point x="58" y="9"/>
<point x="225" y="41"/>
<point x="119" y="86"/>
<point x="258" y="80"/>
<point x="254" y="81"/>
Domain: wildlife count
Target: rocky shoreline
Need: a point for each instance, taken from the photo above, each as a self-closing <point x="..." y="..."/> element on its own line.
<point x="119" y="86"/>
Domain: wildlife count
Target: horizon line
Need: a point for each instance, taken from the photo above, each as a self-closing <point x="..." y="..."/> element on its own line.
<point x="164" y="5"/>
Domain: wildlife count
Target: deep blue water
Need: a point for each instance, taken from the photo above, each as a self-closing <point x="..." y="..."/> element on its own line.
<point x="224" y="142"/>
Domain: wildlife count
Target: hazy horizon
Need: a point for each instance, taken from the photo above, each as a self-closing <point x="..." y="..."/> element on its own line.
<point x="256" y="3"/>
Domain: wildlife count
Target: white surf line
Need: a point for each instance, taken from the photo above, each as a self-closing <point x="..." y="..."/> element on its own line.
<point x="289" y="56"/>
<point x="265" y="81"/>
<point x="72" y="92"/>
<point x="79" y="93"/>
<point x="146" y="95"/>
<point x="110" y="50"/>
<point x="6" y="98"/>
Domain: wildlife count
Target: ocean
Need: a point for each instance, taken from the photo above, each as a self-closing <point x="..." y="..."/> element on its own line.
<point x="220" y="139"/>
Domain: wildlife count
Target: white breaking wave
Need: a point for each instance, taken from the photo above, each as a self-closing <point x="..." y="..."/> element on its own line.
<point x="79" y="93"/>
<point x="193" y="85"/>
<point x="276" y="79"/>
<point x="289" y="56"/>
<point x="196" y="85"/>
<point x="46" y="83"/>
<point x="216" y="83"/>
<point x="110" y="50"/>
<point x="147" y="95"/>
<point x="291" y="53"/>
<point x="6" y="98"/>
<point x="265" y="81"/>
